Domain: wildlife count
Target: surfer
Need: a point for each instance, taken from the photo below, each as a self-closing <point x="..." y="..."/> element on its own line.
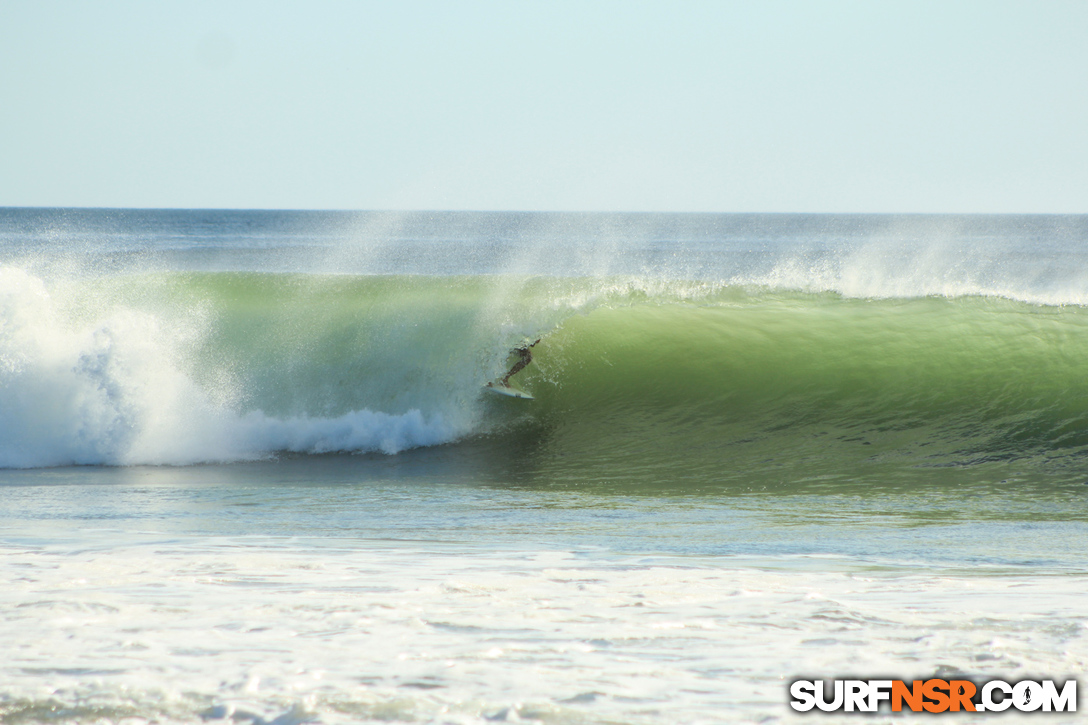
<point x="524" y="358"/>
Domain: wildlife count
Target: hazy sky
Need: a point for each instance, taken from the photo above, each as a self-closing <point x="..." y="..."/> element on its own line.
<point x="867" y="106"/>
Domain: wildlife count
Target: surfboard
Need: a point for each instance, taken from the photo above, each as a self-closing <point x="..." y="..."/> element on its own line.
<point x="500" y="389"/>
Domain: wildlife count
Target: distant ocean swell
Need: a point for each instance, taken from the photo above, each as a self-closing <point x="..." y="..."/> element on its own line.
<point x="708" y="381"/>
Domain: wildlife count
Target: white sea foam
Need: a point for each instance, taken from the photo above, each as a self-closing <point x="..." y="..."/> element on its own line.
<point x="361" y="631"/>
<point x="361" y="430"/>
<point x="113" y="390"/>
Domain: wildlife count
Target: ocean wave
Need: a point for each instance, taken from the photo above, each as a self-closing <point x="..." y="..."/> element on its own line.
<point x="707" y="377"/>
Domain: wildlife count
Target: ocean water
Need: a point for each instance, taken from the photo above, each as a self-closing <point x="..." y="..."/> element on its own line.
<point x="249" y="470"/>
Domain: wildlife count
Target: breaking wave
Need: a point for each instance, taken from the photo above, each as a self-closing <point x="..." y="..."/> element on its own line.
<point x="712" y="380"/>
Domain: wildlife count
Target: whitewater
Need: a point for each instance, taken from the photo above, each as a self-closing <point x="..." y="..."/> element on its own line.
<point x="250" y="471"/>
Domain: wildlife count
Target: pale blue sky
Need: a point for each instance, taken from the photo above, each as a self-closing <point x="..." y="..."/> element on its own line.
<point x="642" y="106"/>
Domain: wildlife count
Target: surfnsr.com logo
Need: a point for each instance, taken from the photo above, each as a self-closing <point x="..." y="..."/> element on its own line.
<point x="933" y="695"/>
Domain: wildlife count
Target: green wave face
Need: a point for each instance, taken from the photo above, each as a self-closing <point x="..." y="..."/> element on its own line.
<point x="766" y="389"/>
<point x="636" y="381"/>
